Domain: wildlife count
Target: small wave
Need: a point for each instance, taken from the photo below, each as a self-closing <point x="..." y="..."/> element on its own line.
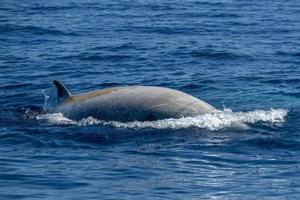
<point x="95" y="57"/>
<point x="8" y="28"/>
<point x="211" y="121"/>
<point x="212" y="54"/>
<point x="53" y="8"/>
<point x="15" y="86"/>
<point x="286" y="80"/>
<point x="159" y="30"/>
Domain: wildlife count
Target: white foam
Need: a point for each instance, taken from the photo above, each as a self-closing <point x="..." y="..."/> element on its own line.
<point x="212" y="121"/>
<point x="56" y="118"/>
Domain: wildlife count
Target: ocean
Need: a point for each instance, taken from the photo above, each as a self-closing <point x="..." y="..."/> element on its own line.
<point x="242" y="57"/>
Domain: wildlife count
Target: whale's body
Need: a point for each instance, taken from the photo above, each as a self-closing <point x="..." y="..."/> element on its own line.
<point x="140" y="103"/>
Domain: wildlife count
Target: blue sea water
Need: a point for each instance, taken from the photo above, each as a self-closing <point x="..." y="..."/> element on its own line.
<point x="242" y="56"/>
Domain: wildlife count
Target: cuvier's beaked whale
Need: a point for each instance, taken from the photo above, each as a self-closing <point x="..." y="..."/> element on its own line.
<point x="131" y="103"/>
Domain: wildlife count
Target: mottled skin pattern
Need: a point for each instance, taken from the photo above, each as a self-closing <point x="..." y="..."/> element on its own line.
<point x="141" y="103"/>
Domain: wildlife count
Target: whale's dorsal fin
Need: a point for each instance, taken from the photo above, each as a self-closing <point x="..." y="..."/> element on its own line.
<point x="62" y="91"/>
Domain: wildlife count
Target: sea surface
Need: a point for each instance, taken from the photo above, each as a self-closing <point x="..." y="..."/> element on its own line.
<point x="241" y="56"/>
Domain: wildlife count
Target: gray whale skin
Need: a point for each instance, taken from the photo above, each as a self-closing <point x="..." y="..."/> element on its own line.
<point x="131" y="103"/>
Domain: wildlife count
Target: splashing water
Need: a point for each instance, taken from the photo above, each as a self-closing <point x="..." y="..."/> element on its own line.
<point x="49" y="99"/>
<point x="210" y="121"/>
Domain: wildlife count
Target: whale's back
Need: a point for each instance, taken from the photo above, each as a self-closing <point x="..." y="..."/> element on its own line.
<point x="141" y="103"/>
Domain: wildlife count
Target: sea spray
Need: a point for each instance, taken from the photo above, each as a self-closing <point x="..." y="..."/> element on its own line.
<point x="211" y="121"/>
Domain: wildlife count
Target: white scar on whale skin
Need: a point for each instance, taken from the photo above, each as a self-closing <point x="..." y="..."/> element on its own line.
<point x="125" y="104"/>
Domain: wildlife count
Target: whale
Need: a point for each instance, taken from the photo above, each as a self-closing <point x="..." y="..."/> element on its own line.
<point x="128" y="103"/>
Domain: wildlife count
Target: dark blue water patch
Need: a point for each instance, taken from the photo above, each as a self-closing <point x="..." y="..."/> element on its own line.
<point x="241" y="23"/>
<point x="15" y="86"/>
<point x="272" y="144"/>
<point x="95" y="57"/>
<point x="116" y="48"/>
<point x="54" y="8"/>
<point x="292" y="81"/>
<point x="8" y="29"/>
<point x="212" y="54"/>
<point x="292" y="53"/>
<point x="225" y="15"/>
<point x="22" y="115"/>
<point x="287" y="93"/>
<point x="42" y="181"/>
<point x="199" y="84"/>
<point x="11" y="59"/>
